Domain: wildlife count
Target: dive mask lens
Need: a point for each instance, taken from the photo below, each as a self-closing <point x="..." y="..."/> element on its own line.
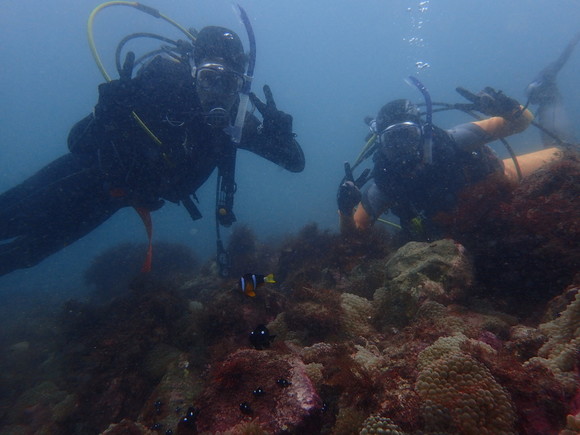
<point x="402" y="141"/>
<point x="217" y="79"/>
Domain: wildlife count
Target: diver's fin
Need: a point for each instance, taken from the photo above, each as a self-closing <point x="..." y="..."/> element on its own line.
<point x="543" y="88"/>
<point x="556" y="126"/>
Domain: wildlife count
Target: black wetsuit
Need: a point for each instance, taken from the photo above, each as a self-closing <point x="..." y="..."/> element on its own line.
<point x="115" y="163"/>
<point x="433" y="188"/>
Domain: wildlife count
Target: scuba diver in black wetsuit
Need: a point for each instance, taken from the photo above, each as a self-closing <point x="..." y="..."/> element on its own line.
<point x="420" y="170"/>
<point x="153" y="137"/>
<point x="543" y="91"/>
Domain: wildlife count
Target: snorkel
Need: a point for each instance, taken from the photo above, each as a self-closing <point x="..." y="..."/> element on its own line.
<point x="235" y="130"/>
<point x="428" y="127"/>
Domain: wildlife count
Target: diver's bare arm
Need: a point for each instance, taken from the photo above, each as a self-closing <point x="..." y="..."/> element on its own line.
<point x="361" y="220"/>
<point x="473" y="135"/>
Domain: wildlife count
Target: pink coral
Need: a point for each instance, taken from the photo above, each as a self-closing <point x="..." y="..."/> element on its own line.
<point x="231" y="382"/>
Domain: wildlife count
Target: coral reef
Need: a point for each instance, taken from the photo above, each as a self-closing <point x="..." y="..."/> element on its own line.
<point x="294" y="402"/>
<point x="357" y="315"/>
<point x="112" y="272"/>
<point x="380" y="425"/>
<point x="107" y="366"/>
<point x="418" y="272"/>
<point x="128" y="427"/>
<point x="248" y="254"/>
<point x="314" y="315"/>
<point x="525" y="239"/>
<point x="459" y="394"/>
<point x="243" y="250"/>
<point x="562" y="350"/>
<point x="325" y="257"/>
<point x="362" y="338"/>
<point x="572" y="425"/>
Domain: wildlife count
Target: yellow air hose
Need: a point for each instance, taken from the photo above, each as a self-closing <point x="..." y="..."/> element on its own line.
<point x="146" y="9"/>
<point x="363" y="154"/>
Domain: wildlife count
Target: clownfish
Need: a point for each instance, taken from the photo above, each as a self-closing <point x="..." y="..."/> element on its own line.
<point x="250" y="282"/>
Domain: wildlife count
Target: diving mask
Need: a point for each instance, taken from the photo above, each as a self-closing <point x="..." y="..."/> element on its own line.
<point x="402" y="143"/>
<point x="218" y="88"/>
<point x="215" y="78"/>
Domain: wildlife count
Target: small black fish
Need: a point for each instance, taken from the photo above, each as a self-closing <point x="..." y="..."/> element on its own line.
<point x="260" y="337"/>
<point x="188" y="422"/>
<point x="158" y="404"/>
<point x="283" y="383"/>
<point x="246" y="408"/>
<point x="258" y="392"/>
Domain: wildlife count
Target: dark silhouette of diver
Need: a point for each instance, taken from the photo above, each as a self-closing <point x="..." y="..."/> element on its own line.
<point x="543" y="91"/>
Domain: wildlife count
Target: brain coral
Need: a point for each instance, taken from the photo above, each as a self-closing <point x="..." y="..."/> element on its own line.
<point x="380" y="425"/>
<point x="459" y="393"/>
<point x="357" y="314"/>
<point x="561" y="351"/>
<point x="438" y="271"/>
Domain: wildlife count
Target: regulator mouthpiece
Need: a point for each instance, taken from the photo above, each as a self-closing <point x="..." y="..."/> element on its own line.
<point x="217" y="117"/>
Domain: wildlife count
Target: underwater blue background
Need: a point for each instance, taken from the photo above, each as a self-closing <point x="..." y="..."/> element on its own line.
<point x="329" y="64"/>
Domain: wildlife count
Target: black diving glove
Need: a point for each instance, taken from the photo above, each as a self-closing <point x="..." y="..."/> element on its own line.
<point x="492" y="103"/>
<point x="348" y="197"/>
<point x="349" y="194"/>
<point x="275" y="124"/>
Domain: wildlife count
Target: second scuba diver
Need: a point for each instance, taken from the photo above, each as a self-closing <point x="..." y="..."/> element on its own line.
<point x="420" y="170"/>
<point x="186" y="103"/>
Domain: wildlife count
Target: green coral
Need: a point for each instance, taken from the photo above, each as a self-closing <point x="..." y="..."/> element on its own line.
<point x="561" y="350"/>
<point x="419" y="272"/>
<point x="357" y="314"/>
<point x="376" y="424"/>
<point x="437" y="314"/>
<point x="314" y="372"/>
<point x="459" y="393"/>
